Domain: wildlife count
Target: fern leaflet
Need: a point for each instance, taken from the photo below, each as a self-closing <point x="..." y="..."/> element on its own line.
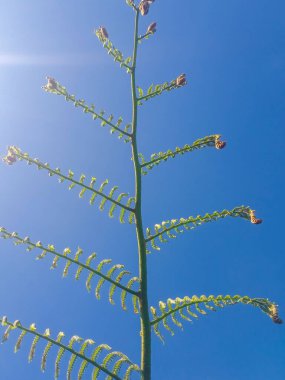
<point x="155" y="90"/>
<point x="99" y="365"/>
<point x="55" y="87"/>
<point x="171" y="228"/>
<point x="157" y="158"/>
<point x="105" y="197"/>
<point x="127" y="289"/>
<point x="103" y="37"/>
<point x="181" y="308"/>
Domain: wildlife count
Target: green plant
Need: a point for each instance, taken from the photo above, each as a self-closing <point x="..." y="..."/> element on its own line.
<point x="116" y="365"/>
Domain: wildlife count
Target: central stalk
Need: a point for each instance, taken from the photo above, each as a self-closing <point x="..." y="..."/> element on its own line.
<point x="144" y="313"/>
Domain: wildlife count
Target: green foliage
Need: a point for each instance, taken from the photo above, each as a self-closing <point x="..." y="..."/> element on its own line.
<point x="179" y="309"/>
<point x="157" y="158"/>
<point x="114" y="364"/>
<point x="169" y="229"/>
<point x="99" y="192"/>
<point x="56" y="88"/>
<point x="69" y="259"/>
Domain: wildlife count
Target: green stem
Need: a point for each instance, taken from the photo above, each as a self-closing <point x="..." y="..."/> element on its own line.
<point x="144" y="313"/>
<point x="144" y="36"/>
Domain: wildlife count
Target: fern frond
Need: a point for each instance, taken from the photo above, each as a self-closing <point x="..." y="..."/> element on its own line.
<point x="157" y="158"/>
<point x="102" y="365"/>
<point x="70" y="259"/>
<point x="55" y="87"/>
<point x="103" y="37"/>
<point x="175" y="309"/>
<point x="115" y="201"/>
<point x="171" y="228"/>
<point x="155" y="90"/>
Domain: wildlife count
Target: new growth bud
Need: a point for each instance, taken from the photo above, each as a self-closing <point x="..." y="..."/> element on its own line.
<point x="144" y="7"/>
<point x="253" y="219"/>
<point x="51" y="84"/>
<point x="152" y="28"/>
<point x="274" y="315"/>
<point x="220" y="144"/>
<point x="11" y="158"/>
<point x="102" y="33"/>
<point x="181" y="80"/>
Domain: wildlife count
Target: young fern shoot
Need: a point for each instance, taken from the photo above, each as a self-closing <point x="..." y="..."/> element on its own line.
<point x="100" y="357"/>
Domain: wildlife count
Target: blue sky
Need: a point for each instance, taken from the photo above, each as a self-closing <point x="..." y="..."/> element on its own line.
<point x="234" y="57"/>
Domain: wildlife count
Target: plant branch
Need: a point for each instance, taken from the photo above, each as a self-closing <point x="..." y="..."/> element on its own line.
<point x="262" y="303"/>
<point x="55" y="87"/>
<point x="158" y="92"/>
<point x="208" y="141"/>
<point x="191" y="222"/>
<point x="61" y="345"/>
<point x="23" y="156"/>
<point x="19" y="240"/>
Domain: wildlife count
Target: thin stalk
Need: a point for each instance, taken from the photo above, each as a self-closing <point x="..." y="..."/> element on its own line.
<point x="144" y="313"/>
<point x="144" y="36"/>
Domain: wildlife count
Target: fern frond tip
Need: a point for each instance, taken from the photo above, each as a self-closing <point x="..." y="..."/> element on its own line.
<point x="11" y="156"/>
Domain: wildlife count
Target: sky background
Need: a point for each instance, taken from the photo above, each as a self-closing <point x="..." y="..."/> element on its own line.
<point x="233" y="53"/>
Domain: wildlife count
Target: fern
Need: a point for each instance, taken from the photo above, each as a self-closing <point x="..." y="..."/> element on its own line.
<point x="157" y="158"/>
<point x="171" y="228"/>
<point x="158" y="89"/>
<point x="103" y="37"/>
<point x="56" y="88"/>
<point x="65" y="256"/>
<point x="105" y="197"/>
<point x="99" y="365"/>
<point x="86" y="353"/>
<point x="179" y="309"/>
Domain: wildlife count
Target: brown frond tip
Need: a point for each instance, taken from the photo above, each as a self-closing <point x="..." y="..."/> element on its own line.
<point x="253" y="218"/>
<point x="274" y="315"/>
<point x="51" y="84"/>
<point x="181" y="80"/>
<point x="102" y="31"/>
<point x="10" y="158"/>
<point x="152" y="28"/>
<point x="144" y="6"/>
<point x="219" y="144"/>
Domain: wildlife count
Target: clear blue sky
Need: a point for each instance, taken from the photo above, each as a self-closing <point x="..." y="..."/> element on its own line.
<point x="234" y="57"/>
